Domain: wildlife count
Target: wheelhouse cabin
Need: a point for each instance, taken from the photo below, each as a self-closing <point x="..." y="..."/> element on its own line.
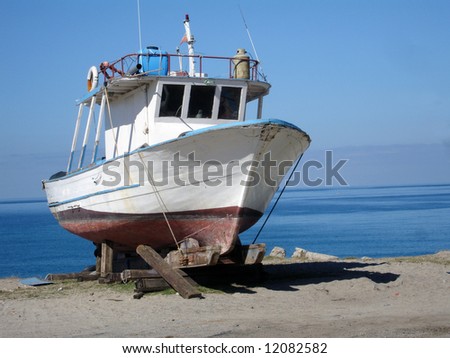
<point x="144" y="101"/>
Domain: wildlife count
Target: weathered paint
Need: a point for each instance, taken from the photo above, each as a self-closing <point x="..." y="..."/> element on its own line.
<point x="219" y="226"/>
<point x="130" y="212"/>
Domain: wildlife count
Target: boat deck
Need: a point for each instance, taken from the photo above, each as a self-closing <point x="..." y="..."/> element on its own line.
<point x="126" y="74"/>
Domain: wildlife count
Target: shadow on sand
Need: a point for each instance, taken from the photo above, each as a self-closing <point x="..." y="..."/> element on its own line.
<point x="288" y="276"/>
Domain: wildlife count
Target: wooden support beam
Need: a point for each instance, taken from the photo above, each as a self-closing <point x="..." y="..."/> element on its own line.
<point x="98" y="264"/>
<point x="106" y="263"/>
<point x="80" y="276"/>
<point x="172" y="276"/>
<point x="156" y="284"/>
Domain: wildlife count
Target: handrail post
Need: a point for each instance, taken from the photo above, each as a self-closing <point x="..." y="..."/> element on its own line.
<point x="260" y="107"/>
<point x="99" y="128"/>
<point x="75" y="137"/>
<point x="86" y="132"/>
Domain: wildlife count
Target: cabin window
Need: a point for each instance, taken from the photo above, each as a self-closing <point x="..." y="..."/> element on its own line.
<point x="229" y="103"/>
<point x="171" y="101"/>
<point x="201" y="101"/>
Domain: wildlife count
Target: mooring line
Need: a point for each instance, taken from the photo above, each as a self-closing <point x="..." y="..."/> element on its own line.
<point x="160" y="200"/>
<point x="276" y="201"/>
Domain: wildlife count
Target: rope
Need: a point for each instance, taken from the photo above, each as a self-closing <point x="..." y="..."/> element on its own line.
<point x="276" y="201"/>
<point x="253" y="45"/>
<point x="150" y="179"/>
<point x="111" y="123"/>
<point x="161" y="203"/>
<point x="205" y="227"/>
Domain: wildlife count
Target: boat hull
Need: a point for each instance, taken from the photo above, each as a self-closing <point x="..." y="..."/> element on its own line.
<point x="209" y="185"/>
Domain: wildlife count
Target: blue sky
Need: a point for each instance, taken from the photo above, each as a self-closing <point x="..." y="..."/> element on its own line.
<point x="367" y="79"/>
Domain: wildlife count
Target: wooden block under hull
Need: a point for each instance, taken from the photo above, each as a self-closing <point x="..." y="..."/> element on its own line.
<point x="194" y="256"/>
<point x="245" y="255"/>
<point x="173" y="276"/>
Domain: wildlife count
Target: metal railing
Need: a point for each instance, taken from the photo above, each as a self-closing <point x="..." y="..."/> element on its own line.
<point x="129" y="65"/>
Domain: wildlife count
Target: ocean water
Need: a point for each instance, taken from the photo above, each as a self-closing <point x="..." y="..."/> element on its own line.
<point x="357" y="222"/>
<point x="345" y="222"/>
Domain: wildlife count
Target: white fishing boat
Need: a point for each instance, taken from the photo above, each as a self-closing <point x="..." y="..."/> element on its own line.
<point x="168" y="153"/>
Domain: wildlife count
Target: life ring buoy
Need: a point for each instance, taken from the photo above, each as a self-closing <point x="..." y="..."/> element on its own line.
<point x="92" y="79"/>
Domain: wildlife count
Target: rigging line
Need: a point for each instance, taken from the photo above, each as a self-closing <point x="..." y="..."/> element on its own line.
<point x="205" y="227"/>
<point x="161" y="203"/>
<point x="181" y="119"/>
<point x="253" y="45"/>
<point x="276" y="201"/>
<point x="150" y="178"/>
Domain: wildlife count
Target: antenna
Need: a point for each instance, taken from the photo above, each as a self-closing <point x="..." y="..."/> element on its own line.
<point x="251" y="41"/>
<point x="139" y="24"/>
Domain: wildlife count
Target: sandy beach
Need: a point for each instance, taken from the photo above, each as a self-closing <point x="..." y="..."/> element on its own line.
<point x="392" y="297"/>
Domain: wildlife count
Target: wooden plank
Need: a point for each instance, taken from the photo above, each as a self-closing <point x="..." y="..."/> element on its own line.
<point x="245" y="254"/>
<point x="106" y="264"/>
<point x="253" y="254"/>
<point x="134" y="274"/>
<point x="98" y="264"/>
<point x="156" y="284"/>
<point x="173" y="276"/>
<point x="110" y="278"/>
<point x="130" y="275"/>
<point x="151" y="285"/>
<point x="196" y="256"/>
<point x="80" y="276"/>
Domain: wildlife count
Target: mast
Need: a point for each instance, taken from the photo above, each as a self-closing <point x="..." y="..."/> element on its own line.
<point x="139" y="24"/>
<point x="190" y="42"/>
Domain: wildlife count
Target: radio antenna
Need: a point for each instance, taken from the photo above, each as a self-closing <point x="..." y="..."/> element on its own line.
<point x="139" y="24"/>
<point x="251" y="41"/>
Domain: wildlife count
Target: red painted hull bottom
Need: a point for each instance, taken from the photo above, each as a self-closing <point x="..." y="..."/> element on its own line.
<point x="209" y="227"/>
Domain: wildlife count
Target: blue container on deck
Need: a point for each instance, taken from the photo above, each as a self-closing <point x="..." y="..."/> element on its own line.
<point x="154" y="62"/>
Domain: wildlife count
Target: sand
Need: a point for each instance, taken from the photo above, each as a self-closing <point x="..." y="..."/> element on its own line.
<point x="403" y="297"/>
